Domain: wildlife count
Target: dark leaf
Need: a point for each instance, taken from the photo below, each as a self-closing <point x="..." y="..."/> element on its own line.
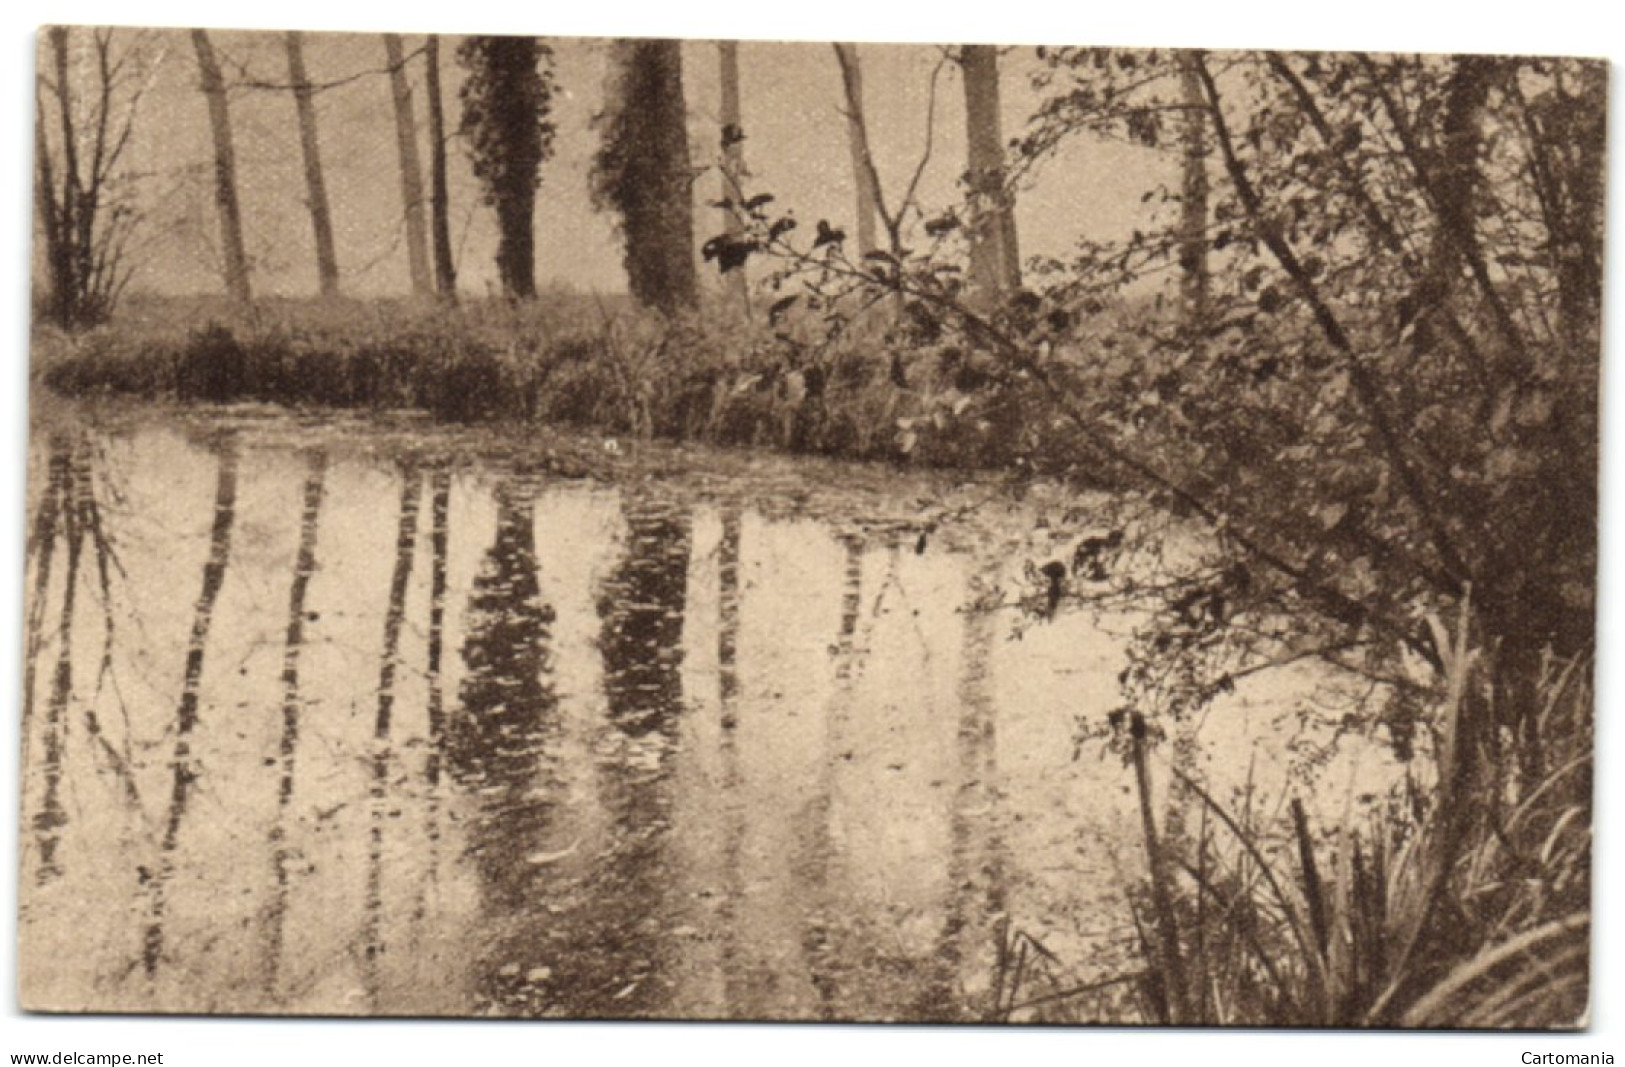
<point x="729" y="252"/>
<point x="828" y="235"/>
<point x="780" y="306"/>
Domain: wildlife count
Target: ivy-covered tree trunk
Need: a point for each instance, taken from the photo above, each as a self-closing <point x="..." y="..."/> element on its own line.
<point x="445" y="271"/>
<point x="321" y="219"/>
<point x="233" y="256"/>
<point x="995" y="259"/>
<point x="406" y="142"/>
<point x="643" y="171"/>
<point x="506" y="100"/>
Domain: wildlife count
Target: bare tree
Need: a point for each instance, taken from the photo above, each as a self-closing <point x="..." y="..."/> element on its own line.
<point x="83" y="202"/>
<point x="445" y="271"/>
<point x="321" y="219"/>
<point x="857" y="137"/>
<point x="733" y="160"/>
<point x="995" y="259"/>
<point x="643" y="173"/>
<point x="234" y="258"/>
<point x="406" y="141"/>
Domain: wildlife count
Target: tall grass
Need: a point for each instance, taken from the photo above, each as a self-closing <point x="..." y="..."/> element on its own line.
<point x="1474" y="913"/>
<point x="716" y="376"/>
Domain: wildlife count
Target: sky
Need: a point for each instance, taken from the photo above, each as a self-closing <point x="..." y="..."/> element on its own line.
<point x="796" y="148"/>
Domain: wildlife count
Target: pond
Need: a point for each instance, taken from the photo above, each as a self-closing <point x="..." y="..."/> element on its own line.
<point x="377" y="717"/>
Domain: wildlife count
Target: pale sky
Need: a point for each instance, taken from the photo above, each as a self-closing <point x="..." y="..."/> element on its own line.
<point x="796" y="149"/>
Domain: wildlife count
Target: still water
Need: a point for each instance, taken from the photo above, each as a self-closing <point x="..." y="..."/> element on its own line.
<point x="373" y="717"/>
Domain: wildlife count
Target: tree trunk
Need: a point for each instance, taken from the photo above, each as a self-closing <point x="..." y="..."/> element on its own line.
<point x="1193" y="215"/>
<point x="654" y="184"/>
<point x="225" y="171"/>
<point x="56" y="216"/>
<point x="321" y="220"/>
<point x="1453" y="183"/>
<point x="995" y="259"/>
<point x="445" y="272"/>
<point x="857" y="136"/>
<point x="733" y="162"/>
<point x="506" y="102"/>
<point x="406" y="140"/>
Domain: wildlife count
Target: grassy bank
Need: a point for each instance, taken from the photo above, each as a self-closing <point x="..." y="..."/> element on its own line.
<point x="717" y="376"/>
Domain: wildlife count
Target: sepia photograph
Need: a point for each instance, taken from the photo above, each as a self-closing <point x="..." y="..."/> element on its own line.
<point x="668" y="528"/>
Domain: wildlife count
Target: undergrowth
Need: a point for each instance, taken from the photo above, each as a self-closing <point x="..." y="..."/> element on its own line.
<point x="717" y="376"/>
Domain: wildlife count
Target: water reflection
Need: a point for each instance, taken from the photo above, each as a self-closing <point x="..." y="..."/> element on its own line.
<point x="642" y="608"/>
<point x="616" y="958"/>
<point x="383" y="756"/>
<point x="292" y="710"/>
<point x="502" y="746"/>
<point x="420" y="735"/>
<point x="58" y="508"/>
<point x="184" y="768"/>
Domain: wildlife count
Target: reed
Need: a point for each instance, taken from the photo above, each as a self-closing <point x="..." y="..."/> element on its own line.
<point x="1474" y="914"/>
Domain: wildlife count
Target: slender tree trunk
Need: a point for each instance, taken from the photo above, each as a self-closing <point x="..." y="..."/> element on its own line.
<point x="1193" y="217"/>
<point x="733" y="162"/>
<point x="225" y="171"/>
<point x="321" y="220"/>
<point x="406" y="141"/>
<point x="857" y="137"/>
<point x="995" y="258"/>
<point x="58" y="265"/>
<point x="61" y="219"/>
<point x="445" y="272"/>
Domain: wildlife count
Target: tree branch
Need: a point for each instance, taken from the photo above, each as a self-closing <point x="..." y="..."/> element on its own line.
<point x="1365" y="388"/>
<point x="1450" y="207"/>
